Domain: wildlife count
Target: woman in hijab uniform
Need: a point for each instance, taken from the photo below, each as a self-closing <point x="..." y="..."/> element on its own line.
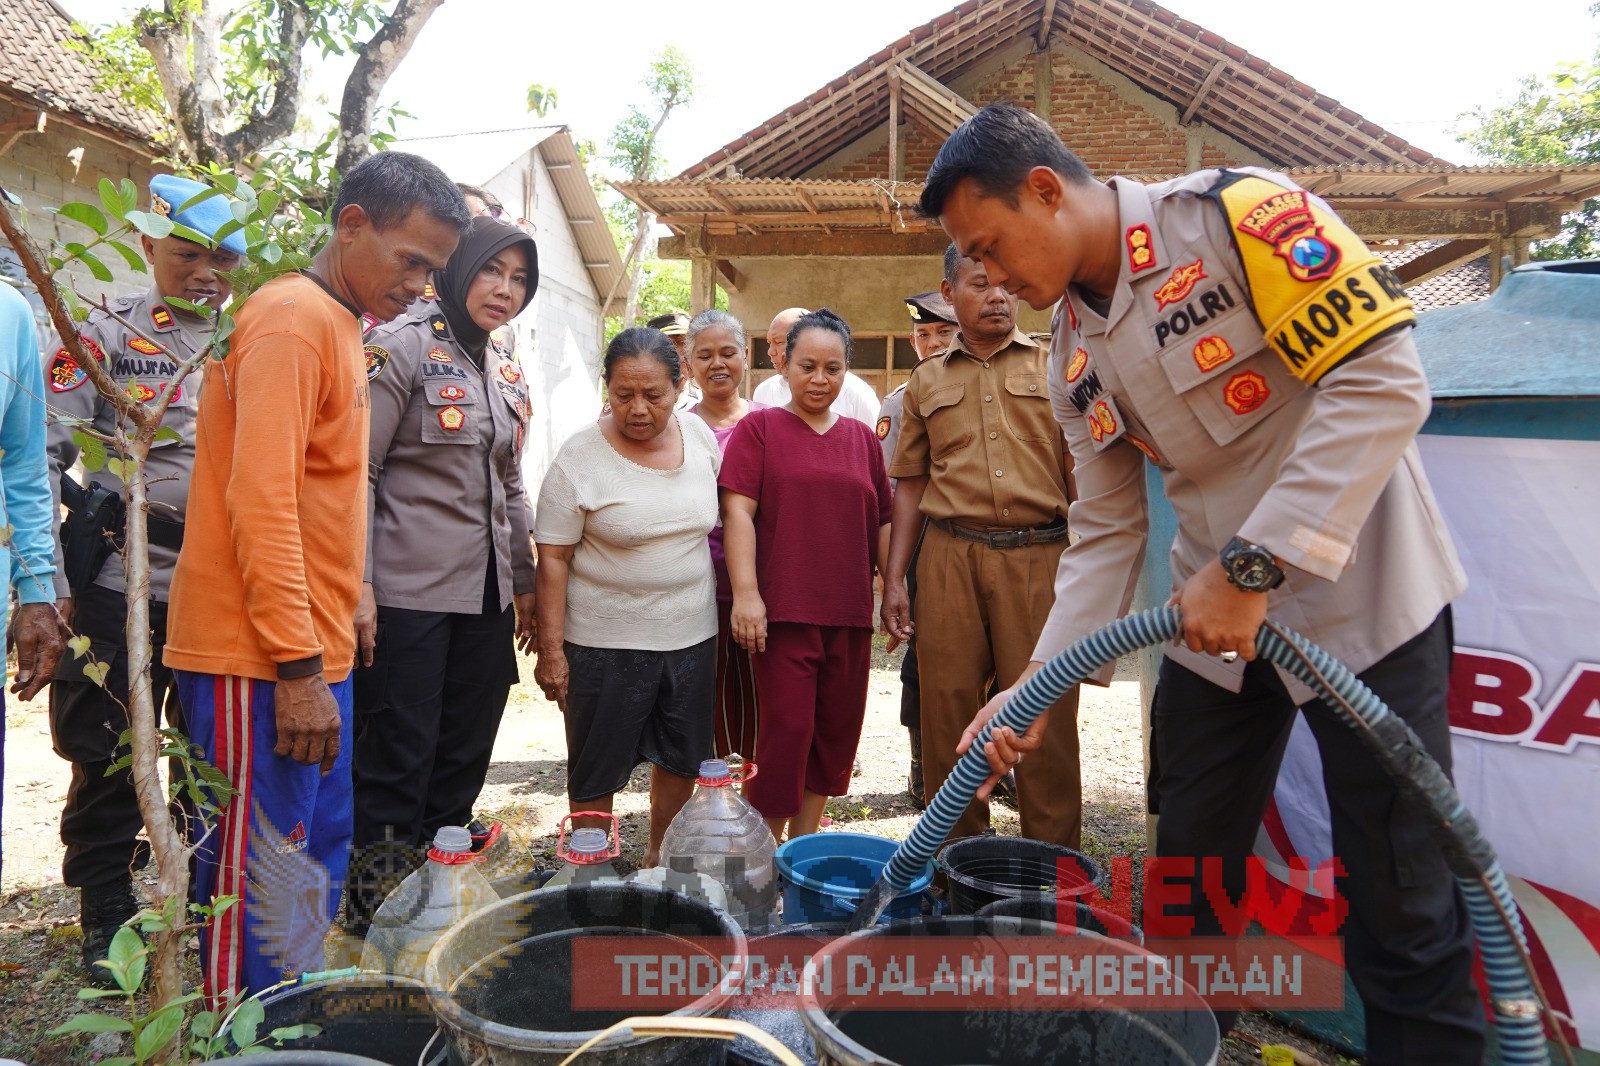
<point x="450" y="569"/>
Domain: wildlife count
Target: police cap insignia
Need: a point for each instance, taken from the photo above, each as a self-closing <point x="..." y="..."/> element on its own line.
<point x="930" y="307"/>
<point x="144" y="347"/>
<point x="1141" y="248"/>
<point x="65" y="373"/>
<point x="377" y="359"/>
<point x="439" y="355"/>
<point x="159" y="205"/>
<point x="883" y="427"/>
<point x="161" y="315"/>
<point x="451" y="419"/>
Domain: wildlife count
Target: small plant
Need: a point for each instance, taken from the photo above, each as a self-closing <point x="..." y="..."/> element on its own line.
<point x="155" y="1035"/>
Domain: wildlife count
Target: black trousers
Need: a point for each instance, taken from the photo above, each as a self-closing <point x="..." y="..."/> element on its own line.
<point x="100" y="823"/>
<point x="910" y="686"/>
<point x="1214" y="760"/>
<point x="427" y="712"/>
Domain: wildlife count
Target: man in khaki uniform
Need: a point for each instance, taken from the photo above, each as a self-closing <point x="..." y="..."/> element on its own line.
<point x="933" y="327"/>
<point x="142" y="344"/>
<point x="1227" y="327"/>
<point x="981" y="459"/>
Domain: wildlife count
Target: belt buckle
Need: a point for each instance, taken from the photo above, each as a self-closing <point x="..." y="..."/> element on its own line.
<point x="1011" y="538"/>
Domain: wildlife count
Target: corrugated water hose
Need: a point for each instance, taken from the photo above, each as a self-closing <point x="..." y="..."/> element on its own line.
<point x="1513" y="991"/>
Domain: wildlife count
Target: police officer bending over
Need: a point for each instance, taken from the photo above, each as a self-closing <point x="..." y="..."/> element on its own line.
<point x="1227" y="327"/>
<point x="101" y="821"/>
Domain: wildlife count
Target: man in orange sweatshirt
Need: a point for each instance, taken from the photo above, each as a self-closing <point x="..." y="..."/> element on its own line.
<point x="260" y="630"/>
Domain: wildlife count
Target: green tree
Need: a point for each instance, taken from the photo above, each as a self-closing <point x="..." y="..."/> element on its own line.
<point x="1554" y="119"/>
<point x="542" y="99"/>
<point x="229" y="82"/>
<point x="632" y="150"/>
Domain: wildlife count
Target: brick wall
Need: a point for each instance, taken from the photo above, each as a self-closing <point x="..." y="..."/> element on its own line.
<point x="39" y="169"/>
<point x="1113" y="125"/>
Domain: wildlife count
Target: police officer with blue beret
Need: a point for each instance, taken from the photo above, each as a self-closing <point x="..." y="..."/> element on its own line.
<point x="141" y="343"/>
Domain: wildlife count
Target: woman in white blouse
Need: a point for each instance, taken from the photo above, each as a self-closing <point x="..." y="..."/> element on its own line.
<point x="626" y="598"/>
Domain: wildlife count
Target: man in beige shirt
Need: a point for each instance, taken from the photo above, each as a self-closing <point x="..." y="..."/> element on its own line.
<point x="980" y="457"/>
<point x="1228" y="328"/>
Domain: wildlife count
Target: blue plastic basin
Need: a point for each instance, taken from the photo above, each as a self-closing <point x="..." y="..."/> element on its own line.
<point x="825" y="875"/>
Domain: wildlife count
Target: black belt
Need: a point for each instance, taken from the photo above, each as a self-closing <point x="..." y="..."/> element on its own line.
<point x="164" y="532"/>
<point x="1048" y="533"/>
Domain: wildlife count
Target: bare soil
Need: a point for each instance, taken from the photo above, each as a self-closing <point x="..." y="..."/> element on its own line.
<point x="39" y="941"/>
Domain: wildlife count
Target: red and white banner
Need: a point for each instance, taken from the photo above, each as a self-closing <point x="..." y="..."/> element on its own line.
<point x="1524" y="697"/>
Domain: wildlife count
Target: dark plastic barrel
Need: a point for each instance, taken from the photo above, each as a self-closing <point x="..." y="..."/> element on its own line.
<point x="981" y="870"/>
<point x="301" y="1058"/>
<point x="381" y="1019"/>
<point x="784" y="1023"/>
<point x="1040" y="907"/>
<point x="502" y="981"/>
<point x="1082" y="1031"/>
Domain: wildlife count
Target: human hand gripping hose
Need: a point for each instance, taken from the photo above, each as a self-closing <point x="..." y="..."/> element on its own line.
<point x="1513" y="987"/>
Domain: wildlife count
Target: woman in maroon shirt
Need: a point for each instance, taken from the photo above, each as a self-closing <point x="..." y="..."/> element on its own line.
<point x="805" y="514"/>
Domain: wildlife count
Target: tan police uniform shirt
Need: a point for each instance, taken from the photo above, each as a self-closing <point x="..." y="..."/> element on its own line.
<point x="1320" y="468"/>
<point x="145" y="368"/>
<point x="983" y="433"/>
<point x="443" y="469"/>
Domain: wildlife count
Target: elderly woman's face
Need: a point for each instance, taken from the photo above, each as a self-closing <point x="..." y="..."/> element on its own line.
<point x="497" y="292"/>
<point x="718" y="361"/>
<point x="642" y="397"/>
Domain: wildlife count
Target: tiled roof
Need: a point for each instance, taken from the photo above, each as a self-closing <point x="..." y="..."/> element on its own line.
<point x="1464" y="284"/>
<point x="36" y="64"/>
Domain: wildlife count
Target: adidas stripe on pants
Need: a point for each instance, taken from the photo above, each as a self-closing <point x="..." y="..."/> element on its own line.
<point x="282" y="844"/>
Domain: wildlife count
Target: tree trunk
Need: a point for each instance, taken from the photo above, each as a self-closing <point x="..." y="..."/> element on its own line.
<point x="641" y="243"/>
<point x="375" y="62"/>
<point x="166" y="840"/>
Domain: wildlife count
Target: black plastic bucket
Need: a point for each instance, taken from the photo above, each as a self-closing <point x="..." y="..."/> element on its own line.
<point x="1067" y="912"/>
<point x="983" y="869"/>
<point x="502" y="981"/>
<point x="379" y="1019"/>
<point x="796" y="944"/>
<point x="988" y="1029"/>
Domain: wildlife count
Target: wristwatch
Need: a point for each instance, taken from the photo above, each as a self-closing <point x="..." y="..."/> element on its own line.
<point x="1250" y="566"/>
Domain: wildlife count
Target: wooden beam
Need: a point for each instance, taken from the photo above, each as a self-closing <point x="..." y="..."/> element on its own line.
<point x="1047" y="25"/>
<point x="1432" y="263"/>
<point x="811" y="245"/>
<point x="1539" y="184"/>
<point x="1381" y="223"/>
<point x="720" y="200"/>
<point x="805" y="198"/>
<point x="1580" y="194"/>
<point x="1422" y="185"/>
<point x="894" y="124"/>
<point x="733" y="281"/>
<point x="1201" y="93"/>
<point x="854" y="215"/>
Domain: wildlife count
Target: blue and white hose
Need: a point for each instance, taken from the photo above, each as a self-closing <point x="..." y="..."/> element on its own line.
<point x="1519" y="1028"/>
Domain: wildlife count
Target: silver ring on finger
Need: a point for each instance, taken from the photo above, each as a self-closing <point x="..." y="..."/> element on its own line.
<point x="1229" y="656"/>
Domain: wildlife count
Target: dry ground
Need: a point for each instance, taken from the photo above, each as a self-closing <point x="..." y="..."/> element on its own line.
<point x="39" y="969"/>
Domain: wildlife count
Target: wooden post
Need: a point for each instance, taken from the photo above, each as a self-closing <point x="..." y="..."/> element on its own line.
<point x="702" y="284"/>
<point x="1044" y="81"/>
<point x="1498" y="249"/>
<point x="895" y="169"/>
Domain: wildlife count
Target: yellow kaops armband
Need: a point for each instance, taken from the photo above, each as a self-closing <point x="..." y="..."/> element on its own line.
<point x="1319" y="292"/>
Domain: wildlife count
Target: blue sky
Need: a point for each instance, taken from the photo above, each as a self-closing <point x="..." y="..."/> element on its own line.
<point x="1411" y="66"/>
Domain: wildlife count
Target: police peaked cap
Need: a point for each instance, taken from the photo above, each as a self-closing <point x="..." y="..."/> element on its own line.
<point x="930" y="307"/>
<point x="168" y="194"/>
<point x="673" y="324"/>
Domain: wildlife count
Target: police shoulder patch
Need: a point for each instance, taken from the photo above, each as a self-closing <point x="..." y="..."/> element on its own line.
<point x="1318" y="290"/>
<point x="1141" y="248"/>
<point x="884" y="425"/>
<point x="161" y="317"/>
<point x="440" y="327"/>
<point x="377" y="359"/>
<point x="65" y="373"/>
